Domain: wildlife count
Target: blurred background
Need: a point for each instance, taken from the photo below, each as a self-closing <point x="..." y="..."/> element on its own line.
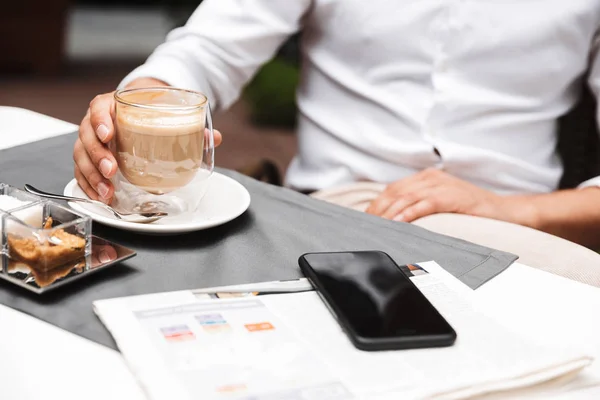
<point x="56" y="55"/>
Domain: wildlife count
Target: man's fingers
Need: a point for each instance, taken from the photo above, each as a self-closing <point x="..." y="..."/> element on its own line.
<point x="102" y="111"/>
<point x="101" y="157"/>
<point x="430" y="201"/>
<point x="397" y="207"/>
<point x="86" y="171"/>
<point x="84" y="184"/>
<point x="407" y="190"/>
<point x="402" y="185"/>
<point x="218" y="138"/>
<point x="379" y="205"/>
<point x="412" y="206"/>
<point x="418" y="210"/>
<point x="413" y="184"/>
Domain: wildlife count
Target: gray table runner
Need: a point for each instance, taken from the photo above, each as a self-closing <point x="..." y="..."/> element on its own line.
<point x="261" y="245"/>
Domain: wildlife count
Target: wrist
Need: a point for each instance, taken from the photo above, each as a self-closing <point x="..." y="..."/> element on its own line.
<point x="522" y="210"/>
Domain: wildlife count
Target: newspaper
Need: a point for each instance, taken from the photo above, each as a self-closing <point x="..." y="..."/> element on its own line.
<point x="288" y="346"/>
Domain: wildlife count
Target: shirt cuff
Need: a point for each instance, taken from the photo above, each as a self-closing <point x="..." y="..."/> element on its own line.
<point x="590" y="183"/>
<point x="174" y="73"/>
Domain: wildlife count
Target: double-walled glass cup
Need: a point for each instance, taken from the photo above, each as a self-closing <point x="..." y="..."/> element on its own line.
<point x="164" y="146"/>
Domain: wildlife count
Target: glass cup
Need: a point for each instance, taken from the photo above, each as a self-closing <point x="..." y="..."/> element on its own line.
<point x="164" y="147"/>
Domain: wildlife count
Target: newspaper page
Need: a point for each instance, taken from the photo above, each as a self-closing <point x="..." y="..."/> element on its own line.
<point x="289" y="346"/>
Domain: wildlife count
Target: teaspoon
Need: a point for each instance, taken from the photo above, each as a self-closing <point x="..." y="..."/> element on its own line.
<point x="144" y="218"/>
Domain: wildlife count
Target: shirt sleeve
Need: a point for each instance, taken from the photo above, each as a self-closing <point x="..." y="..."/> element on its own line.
<point x="594" y="82"/>
<point x="222" y="45"/>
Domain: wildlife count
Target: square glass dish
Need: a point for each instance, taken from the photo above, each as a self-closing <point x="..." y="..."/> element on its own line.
<point x="45" y="236"/>
<point x="44" y="244"/>
<point x="12" y="198"/>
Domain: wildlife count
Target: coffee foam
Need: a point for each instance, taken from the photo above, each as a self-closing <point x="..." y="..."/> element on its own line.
<point x="168" y="100"/>
<point x="155" y="124"/>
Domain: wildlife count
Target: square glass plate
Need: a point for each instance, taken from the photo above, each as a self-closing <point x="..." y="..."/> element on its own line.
<point x="103" y="255"/>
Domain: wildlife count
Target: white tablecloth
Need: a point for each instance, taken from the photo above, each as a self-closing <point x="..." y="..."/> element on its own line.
<point x="38" y="360"/>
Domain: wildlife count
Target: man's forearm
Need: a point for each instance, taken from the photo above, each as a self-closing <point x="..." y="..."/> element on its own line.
<point x="571" y="214"/>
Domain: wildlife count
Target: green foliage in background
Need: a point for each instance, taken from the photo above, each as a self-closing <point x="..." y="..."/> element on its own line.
<point x="271" y="95"/>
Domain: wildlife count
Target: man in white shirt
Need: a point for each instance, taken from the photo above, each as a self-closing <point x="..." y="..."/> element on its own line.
<point x="454" y="103"/>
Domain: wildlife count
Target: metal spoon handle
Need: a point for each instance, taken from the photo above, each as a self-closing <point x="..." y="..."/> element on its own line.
<point x="41" y="193"/>
<point x="55" y="196"/>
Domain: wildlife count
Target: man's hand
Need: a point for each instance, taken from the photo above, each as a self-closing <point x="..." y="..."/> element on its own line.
<point x="94" y="163"/>
<point x="433" y="191"/>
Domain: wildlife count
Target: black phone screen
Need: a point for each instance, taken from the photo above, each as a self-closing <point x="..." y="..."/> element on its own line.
<point x="374" y="297"/>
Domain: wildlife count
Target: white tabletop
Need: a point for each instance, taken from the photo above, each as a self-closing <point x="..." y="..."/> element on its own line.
<point x="39" y="360"/>
<point x="19" y="126"/>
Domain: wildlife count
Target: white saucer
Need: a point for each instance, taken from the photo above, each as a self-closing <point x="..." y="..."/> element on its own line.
<point x="225" y="200"/>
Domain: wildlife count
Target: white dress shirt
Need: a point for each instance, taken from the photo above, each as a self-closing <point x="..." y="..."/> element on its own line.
<point x="385" y="82"/>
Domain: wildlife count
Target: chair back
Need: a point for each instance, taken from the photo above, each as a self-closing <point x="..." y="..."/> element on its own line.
<point x="579" y="142"/>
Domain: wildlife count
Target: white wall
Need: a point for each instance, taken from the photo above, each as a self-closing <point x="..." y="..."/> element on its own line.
<point x="115" y="33"/>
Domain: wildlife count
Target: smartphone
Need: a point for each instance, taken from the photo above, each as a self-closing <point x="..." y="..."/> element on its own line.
<point x="376" y="304"/>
